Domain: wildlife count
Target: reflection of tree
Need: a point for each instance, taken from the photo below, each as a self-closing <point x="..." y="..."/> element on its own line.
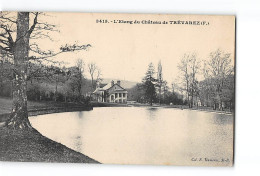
<point x="152" y="113"/>
<point x="78" y="143"/>
<point x="81" y="114"/>
<point x="79" y="131"/>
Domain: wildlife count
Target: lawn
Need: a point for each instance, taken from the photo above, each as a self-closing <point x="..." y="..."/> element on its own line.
<point x="31" y="146"/>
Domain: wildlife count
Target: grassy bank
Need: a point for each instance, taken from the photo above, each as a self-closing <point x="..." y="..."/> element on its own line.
<point x="101" y="104"/>
<point x="30" y="145"/>
<point x="42" y="107"/>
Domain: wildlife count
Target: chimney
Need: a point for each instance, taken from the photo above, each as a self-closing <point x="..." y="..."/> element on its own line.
<point x="112" y="83"/>
<point x="118" y="82"/>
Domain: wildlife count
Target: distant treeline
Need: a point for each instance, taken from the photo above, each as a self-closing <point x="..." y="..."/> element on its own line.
<point x="216" y="90"/>
<point x="137" y="93"/>
<point x="48" y="82"/>
<point x="154" y="89"/>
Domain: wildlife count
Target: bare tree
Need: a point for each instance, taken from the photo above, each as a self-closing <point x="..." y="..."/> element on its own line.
<point x="99" y="75"/>
<point x="16" y="34"/>
<point x="218" y="73"/>
<point x="95" y="74"/>
<point x="189" y="68"/>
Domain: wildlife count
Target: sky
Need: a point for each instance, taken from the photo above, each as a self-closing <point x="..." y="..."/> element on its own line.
<point x="123" y="51"/>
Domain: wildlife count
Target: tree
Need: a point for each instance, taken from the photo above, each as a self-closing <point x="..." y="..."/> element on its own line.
<point x="189" y="68"/>
<point x="159" y="80"/>
<point x="5" y="75"/>
<point x="219" y="74"/>
<point x="56" y="74"/>
<point x="95" y="74"/>
<point x="18" y="27"/>
<point x="20" y="49"/>
<point x="165" y="90"/>
<point x="149" y="84"/>
<point x="80" y="68"/>
<point x="136" y="93"/>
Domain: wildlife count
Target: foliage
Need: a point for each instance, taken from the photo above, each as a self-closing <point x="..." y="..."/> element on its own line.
<point x="136" y="93"/>
<point x="149" y="85"/>
<point x="219" y="79"/>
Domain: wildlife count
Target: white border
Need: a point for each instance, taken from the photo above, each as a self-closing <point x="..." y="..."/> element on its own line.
<point x="247" y="150"/>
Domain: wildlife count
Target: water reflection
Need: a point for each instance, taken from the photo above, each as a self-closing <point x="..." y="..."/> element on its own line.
<point x="138" y="135"/>
<point x="223" y="120"/>
<point x="78" y="143"/>
<point x="151" y="113"/>
<point x="80" y="114"/>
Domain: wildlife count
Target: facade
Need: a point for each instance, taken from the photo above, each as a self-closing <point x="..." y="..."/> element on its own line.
<point x="110" y="93"/>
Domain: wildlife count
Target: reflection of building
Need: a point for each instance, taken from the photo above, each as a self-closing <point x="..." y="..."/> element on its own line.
<point x="111" y="92"/>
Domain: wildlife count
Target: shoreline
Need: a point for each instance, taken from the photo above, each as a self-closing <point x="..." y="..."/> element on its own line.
<point x="31" y="146"/>
<point x="42" y="111"/>
<point x="182" y="107"/>
<point x="35" y="112"/>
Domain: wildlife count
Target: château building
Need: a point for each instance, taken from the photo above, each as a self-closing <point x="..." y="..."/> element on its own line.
<point x="110" y="93"/>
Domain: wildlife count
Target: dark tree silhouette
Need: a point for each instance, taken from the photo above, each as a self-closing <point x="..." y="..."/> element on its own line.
<point x="149" y="84"/>
<point x="160" y="81"/>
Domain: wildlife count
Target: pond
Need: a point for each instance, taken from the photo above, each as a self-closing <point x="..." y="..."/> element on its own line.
<point x="143" y="135"/>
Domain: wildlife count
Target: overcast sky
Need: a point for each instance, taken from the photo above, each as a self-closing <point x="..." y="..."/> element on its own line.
<point x="123" y="51"/>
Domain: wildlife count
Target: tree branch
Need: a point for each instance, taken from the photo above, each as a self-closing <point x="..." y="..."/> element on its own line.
<point x="63" y="49"/>
<point x="10" y="38"/>
<point x="34" y="24"/>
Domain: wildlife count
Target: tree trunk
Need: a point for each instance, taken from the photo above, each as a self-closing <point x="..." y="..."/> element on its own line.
<point x="192" y="94"/>
<point x="92" y="83"/>
<point x="19" y="115"/>
<point x="214" y="106"/>
<point x="160" y="93"/>
<point x="56" y="89"/>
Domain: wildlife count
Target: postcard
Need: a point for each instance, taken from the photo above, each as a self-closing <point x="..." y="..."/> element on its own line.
<point x="146" y="89"/>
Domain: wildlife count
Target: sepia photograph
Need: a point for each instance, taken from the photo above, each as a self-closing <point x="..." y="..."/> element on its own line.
<point x="117" y="88"/>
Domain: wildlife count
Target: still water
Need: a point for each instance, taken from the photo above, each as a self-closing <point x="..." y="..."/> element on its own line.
<point x="141" y="135"/>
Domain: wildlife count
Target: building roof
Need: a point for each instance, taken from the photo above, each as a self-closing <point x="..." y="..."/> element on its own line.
<point x="104" y="87"/>
<point x="97" y="91"/>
